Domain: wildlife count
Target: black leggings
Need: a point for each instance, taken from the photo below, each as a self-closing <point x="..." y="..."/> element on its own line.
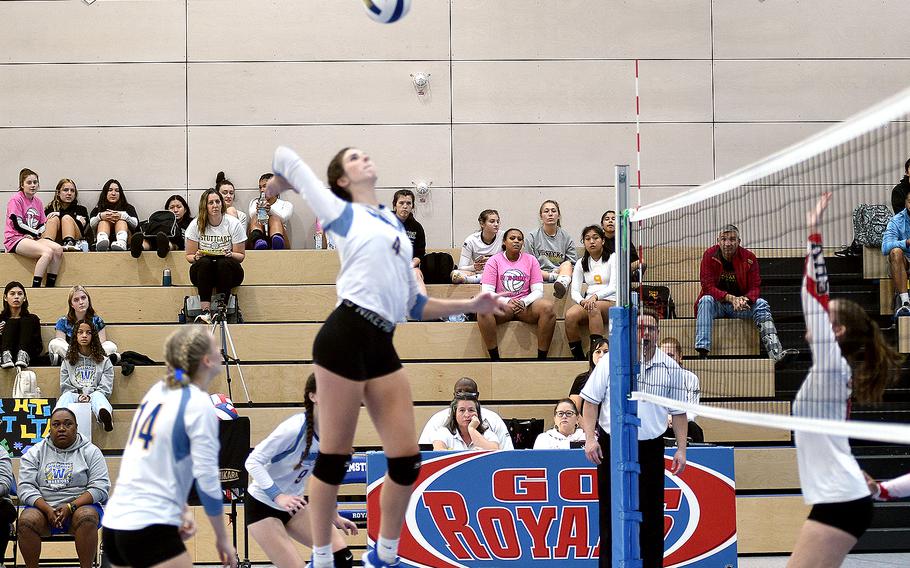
<point x="215" y="273"/>
<point x="7" y="518"/>
<point x="20" y="333"/>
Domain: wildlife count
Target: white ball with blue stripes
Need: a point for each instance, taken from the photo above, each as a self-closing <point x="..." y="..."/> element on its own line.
<point x="387" y="11"/>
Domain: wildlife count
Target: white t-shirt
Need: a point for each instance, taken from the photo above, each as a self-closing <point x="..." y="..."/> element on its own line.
<point x="271" y="463"/>
<point x="456" y="442"/>
<point x="495" y="423"/>
<point x="828" y="472"/>
<point x="283" y="209"/>
<point x="221" y="238"/>
<point x="661" y="376"/>
<point x="553" y="439"/>
<point x="173" y="441"/>
<point x="242" y="217"/>
<point x="474" y="248"/>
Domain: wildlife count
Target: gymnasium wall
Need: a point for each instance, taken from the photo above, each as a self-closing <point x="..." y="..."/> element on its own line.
<point x="528" y="99"/>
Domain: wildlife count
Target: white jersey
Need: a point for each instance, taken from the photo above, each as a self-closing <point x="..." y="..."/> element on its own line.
<point x="494" y="422"/>
<point x="273" y="464"/>
<point x="283" y="209"/>
<point x="373" y="246"/>
<point x="828" y="472"/>
<point x="454" y="441"/>
<point x="173" y="440"/>
<point x="553" y="439"/>
<point x="474" y="249"/>
<point x="600" y="279"/>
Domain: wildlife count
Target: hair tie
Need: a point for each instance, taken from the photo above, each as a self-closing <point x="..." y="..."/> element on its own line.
<point x="180" y="375"/>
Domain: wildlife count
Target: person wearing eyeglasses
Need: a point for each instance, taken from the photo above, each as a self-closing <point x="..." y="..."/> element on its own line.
<point x="466" y="388"/>
<point x="565" y="431"/>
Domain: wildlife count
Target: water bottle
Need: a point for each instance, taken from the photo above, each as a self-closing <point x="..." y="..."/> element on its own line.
<point x="261" y="214"/>
<point x="166" y="277"/>
<point x="317" y="235"/>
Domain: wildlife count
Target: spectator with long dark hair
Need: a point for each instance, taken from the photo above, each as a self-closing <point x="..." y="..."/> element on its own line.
<point x="113" y="215"/>
<point x="79" y="308"/>
<point x="66" y="219"/>
<point x="20" y="330"/>
<point x="25" y="223"/>
<point x="269" y="216"/>
<point x="599" y="348"/>
<point x="215" y="247"/>
<point x="403" y="207"/>
<point x="477" y="249"/>
<point x="87" y="375"/>
<point x="160" y="242"/>
<point x="225" y="187"/>
<point x="463" y="429"/>
<point x="596" y="271"/>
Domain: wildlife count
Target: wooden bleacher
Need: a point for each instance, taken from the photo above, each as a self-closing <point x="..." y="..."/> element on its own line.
<point x="275" y="346"/>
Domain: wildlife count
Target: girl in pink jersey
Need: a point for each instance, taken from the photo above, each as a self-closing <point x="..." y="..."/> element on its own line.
<point x="24" y="225"/>
<point x="516" y="275"/>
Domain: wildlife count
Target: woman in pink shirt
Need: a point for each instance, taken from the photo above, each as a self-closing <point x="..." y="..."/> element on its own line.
<point x="24" y="225"/>
<point x="516" y="275"/>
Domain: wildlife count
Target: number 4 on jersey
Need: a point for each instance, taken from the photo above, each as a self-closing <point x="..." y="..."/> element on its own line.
<point x="145" y="431"/>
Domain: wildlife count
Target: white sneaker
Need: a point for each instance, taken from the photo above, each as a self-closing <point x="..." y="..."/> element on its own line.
<point x="902" y="311"/>
<point x="55" y="359"/>
<point x="559" y="290"/>
<point x="118" y="245"/>
<point x="102" y="245"/>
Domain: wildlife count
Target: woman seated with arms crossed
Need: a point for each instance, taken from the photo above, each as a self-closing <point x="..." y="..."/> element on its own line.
<point x="113" y="215"/>
<point x="270" y="215"/>
<point x="477" y="249"/>
<point x="86" y="375"/>
<point x="275" y="506"/>
<point x="25" y="223"/>
<point x="596" y="271"/>
<point x="160" y="242"/>
<point x="63" y="481"/>
<point x="66" y="219"/>
<point x="80" y="309"/>
<point x="20" y="330"/>
<point x="553" y="248"/>
<point x="463" y="429"/>
<point x="215" y="247"/>
<point x="565" y="431"/>
<point x="516" y="275"/>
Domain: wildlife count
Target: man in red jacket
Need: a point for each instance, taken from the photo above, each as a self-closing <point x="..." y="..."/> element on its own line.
<point x="730" y="285"/>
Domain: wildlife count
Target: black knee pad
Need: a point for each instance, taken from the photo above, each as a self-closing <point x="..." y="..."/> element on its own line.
<point x="344" y="558"/>
<point x="331" y="468"/>
<point x="404" y="471"/>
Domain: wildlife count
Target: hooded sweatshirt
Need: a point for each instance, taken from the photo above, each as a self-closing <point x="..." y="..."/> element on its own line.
<point x="899" y="194"/>
<point x="87" y="376"/>
<point x="61" y="475"/>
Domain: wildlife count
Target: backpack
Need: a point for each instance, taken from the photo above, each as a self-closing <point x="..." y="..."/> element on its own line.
<point x="869" y="224"/>
<point x="657" y="298"/>
<point x="524" y="432"/>
<point x="26" y="385"/>
<point x="160" y="222"/>
<point x="192" y="307"/>
<point x="437" y="268"/>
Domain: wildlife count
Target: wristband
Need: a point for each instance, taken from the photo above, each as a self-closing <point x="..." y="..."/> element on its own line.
<point x="72" y="507"/>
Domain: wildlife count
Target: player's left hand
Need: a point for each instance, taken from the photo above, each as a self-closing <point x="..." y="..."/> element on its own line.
<point x="679" y="462"/>
<point x="344" y="525"/>
<point x="187" y="525"/>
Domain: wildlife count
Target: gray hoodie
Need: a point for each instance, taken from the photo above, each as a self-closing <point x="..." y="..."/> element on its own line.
<point x="550" y="251"/>
<point x="59" y="476"/>
<point x="87" y="376"/>
<point x="6" y="473"/>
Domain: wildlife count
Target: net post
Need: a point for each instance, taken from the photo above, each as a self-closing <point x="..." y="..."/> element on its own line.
<point x="624" y="422"/>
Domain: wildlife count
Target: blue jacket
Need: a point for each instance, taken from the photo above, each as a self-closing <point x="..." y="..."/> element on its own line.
<point x="897" y="233"/>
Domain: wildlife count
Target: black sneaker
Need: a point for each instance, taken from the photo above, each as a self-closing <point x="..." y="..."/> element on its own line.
<point x="106" y="420"/>
<point x="115" y="358"/>
<point x="702" y="353"/>
<point x="136" y="245"/>
<point x="164" y="246"/>
<point x="855" y="249"/>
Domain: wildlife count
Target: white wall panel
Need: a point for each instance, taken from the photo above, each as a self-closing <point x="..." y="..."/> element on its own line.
<point x="810" y="29"/>
<point x="739" y="144"/>
<point x="56" y="32"/>
<point x="315" y="30"/>
<point x="803" y="90"/>
<point x="296" y="93"/>
<point x="127" y="94"/>
<point x="556" y="29"/>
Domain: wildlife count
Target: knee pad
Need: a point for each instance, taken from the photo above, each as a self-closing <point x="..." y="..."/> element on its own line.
<point x="404" y="471"/>
<point x="331" y="468"/>
<point x="344" y="558"/>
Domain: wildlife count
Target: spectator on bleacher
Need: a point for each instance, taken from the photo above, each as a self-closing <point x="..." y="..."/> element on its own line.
<point x="79" y="308"/>
<point x="269" y="218"/>
<point x="63" y="480"/>
<point x="477" y="249"/>
<point x="896" y="246"/>
<point x="608" y="223"/>
<point x="20" y="330"/>
<point x="464" y="430"/>
<point x="7" y="509"/>
<point x="215" y="247"/>
<point x="517" y="276"/>
<point x="565" y="429"/>
<point x="113" y="215"/>
<point x="596" y="271"/>
<point x="403" y="207"/>
<point x="900" y="191"/>
<point x="66" y="219"/>
<point x="672" y="347"/>
<point x="279" y="467"/>
<point x="598" y="349"/>
<point x="160" y="242"/>
<point x="87" y="375"/>
<point x="466" y="388"/>
<point x="225" y="187"/>
<point x="553" y="248"/>
<point x="25" y="223"/>
<point x="730" y="288"/>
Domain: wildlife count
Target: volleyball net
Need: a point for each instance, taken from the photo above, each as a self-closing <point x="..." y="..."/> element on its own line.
<point x="723" y="266"/>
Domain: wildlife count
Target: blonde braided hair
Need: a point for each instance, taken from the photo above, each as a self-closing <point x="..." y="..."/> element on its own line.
<point x="183" y="351"/>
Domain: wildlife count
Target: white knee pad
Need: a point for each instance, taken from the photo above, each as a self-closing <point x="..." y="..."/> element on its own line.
<point x="109" y="347"/>
<point x="58" y="347"/>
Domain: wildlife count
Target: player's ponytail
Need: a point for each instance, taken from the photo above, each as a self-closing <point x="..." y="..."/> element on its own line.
<point x="875" y="364"/>
<point x="183" y="351"/>
<point x="308" y="407"/>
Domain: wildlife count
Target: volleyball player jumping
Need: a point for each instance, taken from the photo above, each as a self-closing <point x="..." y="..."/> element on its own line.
<point x="376" y="289"/>
<point x="849" y="357"/>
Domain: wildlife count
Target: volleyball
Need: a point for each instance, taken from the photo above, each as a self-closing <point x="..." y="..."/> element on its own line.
<point x="224" y="407"/>
<point x="387" y="11"/>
